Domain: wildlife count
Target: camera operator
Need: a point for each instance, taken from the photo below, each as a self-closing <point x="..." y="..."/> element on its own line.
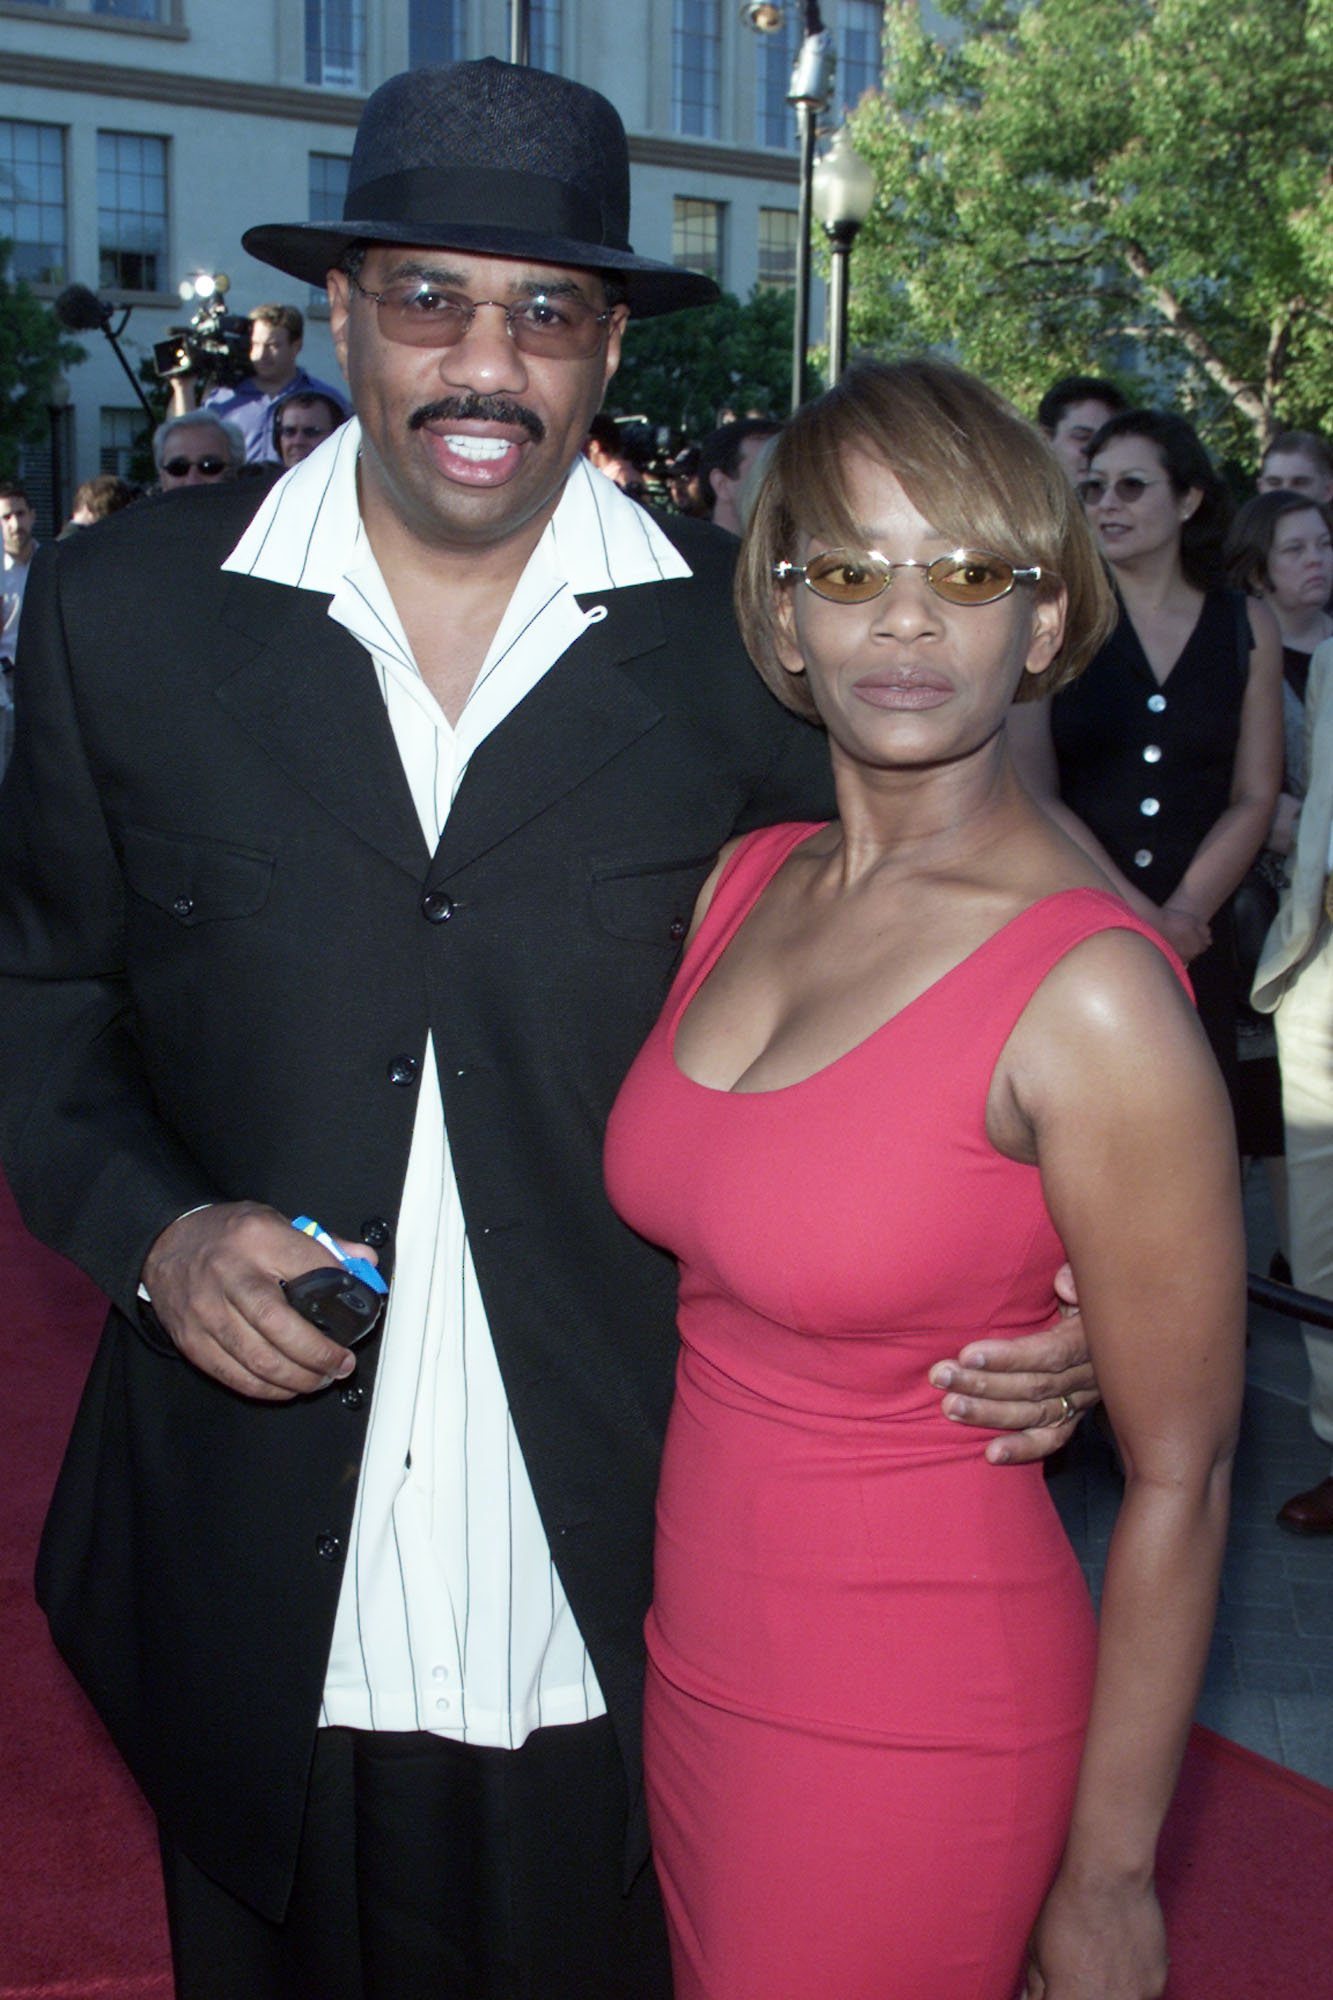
<point x="276" y="333"/>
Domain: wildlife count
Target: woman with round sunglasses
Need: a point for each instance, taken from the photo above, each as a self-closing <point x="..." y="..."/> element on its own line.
<point x="911" y="1061"/>
<point x="1165" y="759"/>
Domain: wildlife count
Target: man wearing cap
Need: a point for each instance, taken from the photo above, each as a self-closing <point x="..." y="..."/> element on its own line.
<point x="357" y="900"/>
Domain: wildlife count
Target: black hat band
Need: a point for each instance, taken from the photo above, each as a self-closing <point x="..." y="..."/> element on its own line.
<point x="439" y="196"/>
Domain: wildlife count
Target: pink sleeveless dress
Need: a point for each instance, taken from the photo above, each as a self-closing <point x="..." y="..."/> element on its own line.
<point x="870" y="1652"/>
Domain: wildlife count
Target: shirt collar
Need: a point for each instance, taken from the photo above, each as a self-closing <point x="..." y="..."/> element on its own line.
<point x="308" y="532"/>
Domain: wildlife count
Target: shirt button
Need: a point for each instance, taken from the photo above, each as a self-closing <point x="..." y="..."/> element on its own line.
<point x="329" y="1546"/>
<point x="1143" y="859"/>
<point x="1157" y="702"/>
<point x="1150" y="807"/>
<point x="443" y="1702"/>
<point x="439" y="1673"/>
<point x="436" y="907"/>
<point x="184" y="906"/>
<point x="1152" y="753"/>
<point x="403" y="1070"/>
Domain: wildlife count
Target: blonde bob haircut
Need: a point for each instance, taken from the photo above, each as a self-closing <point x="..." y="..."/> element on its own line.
<point x="977" y="471"/>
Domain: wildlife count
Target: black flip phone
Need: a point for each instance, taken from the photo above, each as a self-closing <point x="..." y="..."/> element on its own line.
<point x="336" y="1301"/>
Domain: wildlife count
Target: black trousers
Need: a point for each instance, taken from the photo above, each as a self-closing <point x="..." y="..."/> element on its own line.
<point x="433" y="1870"/>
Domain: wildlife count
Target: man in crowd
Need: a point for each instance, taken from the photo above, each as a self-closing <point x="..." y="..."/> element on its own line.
<point x="725" y="457"/>
<point x="197" y="449"/>
<point x="356" y="899"/>
<point x="1298" y="462"/>
<point x="17" y="522"/>
<point x="1072" y="412"/>
<point x="277" y="332"/>
<point x="302" y="421"/>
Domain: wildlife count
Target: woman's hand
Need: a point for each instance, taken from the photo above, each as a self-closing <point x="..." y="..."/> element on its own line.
<point x="1106" y="1942"/>
<point x="1188" y="935"/>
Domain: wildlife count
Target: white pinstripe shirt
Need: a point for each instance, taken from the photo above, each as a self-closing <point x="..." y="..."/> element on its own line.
<point x="452" y="1617"/>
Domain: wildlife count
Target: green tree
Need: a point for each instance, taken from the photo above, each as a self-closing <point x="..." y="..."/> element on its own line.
<point x="681" y="369"/>
<point x="1129" y="186"/>
<point x="33" y="350"/>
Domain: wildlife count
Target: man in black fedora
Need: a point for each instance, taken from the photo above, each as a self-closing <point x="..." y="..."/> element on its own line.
<point x="355" y="902"/>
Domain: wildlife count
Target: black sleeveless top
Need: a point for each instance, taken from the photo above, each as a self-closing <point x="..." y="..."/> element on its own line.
<point x="1149" y="767"/>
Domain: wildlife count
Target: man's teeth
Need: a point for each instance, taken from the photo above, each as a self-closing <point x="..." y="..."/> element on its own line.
<point x="481" y="449"/>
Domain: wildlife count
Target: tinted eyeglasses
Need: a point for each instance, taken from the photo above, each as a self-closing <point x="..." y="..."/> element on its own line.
<point x="1130" y="486"/>
<point x="855" y="576"/>
<point x="302" y="431"/>
<point x="180" y="467"/>
<point x="417" y="313"/>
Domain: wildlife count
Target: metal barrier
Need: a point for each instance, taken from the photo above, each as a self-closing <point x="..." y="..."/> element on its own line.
<point x="1267" y="1292"/>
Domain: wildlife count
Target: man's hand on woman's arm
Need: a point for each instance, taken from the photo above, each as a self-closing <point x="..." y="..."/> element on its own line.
<point x="1036" y="1388"/>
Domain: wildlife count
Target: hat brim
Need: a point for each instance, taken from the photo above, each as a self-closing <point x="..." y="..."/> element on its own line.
<point x="309" y="250"/>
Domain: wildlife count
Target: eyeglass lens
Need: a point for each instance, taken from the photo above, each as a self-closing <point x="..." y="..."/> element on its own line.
<point x="854" y="576"/>
<point x="420" y="315"/>
<point x="210" y="467"/>
<point x="300" y="431"/>
<point x="1128" y="488"/>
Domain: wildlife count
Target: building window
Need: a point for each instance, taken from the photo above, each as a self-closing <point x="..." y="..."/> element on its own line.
<point x="860" y="53"/>
<point x="435" y="32"/>
<point x="328" y="185"/>
<point x="775" y="119"/>
<point x="777" y="247"/>
<point x="118" y="437"/>
<point x="696" y="235"/>
<point x="544" y="34"/>
<point x="335" y="43"/>
<point x="32" y="199"/>
<point x="696" y="67"/>
<point x="131" y="211"/>
<point x="131" y="10"/>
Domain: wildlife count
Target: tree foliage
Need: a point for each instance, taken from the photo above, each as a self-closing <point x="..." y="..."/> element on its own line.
<point x="33" y="350"/>
<point x="681" y="369"/>
<point x="1123" y="186"/>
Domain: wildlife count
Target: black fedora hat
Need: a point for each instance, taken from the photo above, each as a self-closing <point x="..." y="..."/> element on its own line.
<point x="490" y="157"/>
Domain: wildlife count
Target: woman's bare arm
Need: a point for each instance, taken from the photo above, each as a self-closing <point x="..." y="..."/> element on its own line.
<point x="1135" y="1149"/>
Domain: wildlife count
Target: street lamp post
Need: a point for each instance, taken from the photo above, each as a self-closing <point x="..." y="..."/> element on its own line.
<point x="520" y="37"/>
<point x="843" y="192"/>
<point x="810" y="89"/>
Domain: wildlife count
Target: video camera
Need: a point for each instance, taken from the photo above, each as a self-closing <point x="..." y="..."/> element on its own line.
<point x="215" y="344"/>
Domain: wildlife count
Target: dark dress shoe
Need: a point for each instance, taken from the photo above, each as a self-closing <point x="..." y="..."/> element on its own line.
<point x="1310" y="1513"/>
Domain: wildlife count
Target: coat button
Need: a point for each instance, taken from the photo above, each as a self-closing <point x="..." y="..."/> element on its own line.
<point x="403" y="1070"/>
<point x="376" y="1232"/>
<point x="436" y="907"/>
<point x="352" y="1397"/>
<point x="329" y="1546"/>
<point x="678" y="929"/>
<point x="184" y="906"/>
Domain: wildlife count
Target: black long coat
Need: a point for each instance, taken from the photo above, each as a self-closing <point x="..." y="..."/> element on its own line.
<point x="217" y="976"/>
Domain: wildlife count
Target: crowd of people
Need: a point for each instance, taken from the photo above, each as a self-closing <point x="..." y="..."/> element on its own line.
<point x="752" y="1035"/>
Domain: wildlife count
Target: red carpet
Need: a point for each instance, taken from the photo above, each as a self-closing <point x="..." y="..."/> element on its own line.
<point x="1246" y="1859"/>
<point x="81" y="1907"/>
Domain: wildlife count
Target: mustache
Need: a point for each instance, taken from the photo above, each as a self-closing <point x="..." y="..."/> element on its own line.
<point x="479" y="409"/>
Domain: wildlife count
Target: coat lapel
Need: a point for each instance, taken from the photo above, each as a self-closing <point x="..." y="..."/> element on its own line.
<point x="306" y="690"/>
<point x="579" y="716"/>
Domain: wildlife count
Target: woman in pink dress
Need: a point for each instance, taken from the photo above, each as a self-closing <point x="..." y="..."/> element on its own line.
<point x="912" y="1059"/>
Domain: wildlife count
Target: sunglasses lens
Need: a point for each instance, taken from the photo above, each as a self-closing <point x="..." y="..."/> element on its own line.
<point x="419" y="316"/>
<point x="970" y="577"/>
<point x="1091" y="491"/>
<point x="845" y="576"/>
